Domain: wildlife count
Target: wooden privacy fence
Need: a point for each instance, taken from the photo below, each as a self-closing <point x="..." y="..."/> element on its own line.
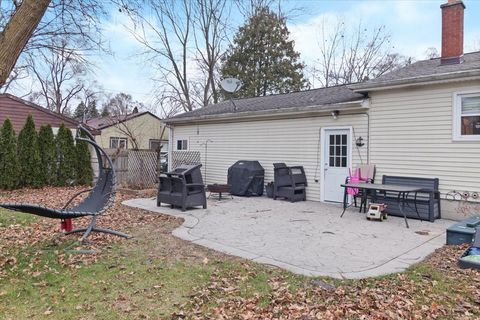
<point x="135" y="168"/>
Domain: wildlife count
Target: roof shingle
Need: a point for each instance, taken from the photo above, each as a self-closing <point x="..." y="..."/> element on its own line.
<point x="425" y="70"/>
<point x="307" y="98"/>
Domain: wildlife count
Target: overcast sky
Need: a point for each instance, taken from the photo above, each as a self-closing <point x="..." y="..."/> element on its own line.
<point x="414" y="26"/>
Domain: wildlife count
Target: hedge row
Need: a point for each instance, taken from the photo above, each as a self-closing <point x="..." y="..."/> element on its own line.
<point x="41" y="159"/>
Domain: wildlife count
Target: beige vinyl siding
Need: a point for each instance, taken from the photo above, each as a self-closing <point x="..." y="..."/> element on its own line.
<point x="293" y="141"/>
<point x="142" y="128"/>
<point x="411" y="135"/>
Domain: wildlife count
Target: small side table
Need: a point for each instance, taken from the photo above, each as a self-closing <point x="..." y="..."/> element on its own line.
<point x="219" y="188"/>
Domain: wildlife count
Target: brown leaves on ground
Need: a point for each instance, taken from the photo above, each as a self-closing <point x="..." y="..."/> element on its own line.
<point x="435" y="289"/>
<point x="15" y="238"/>
<point x="446" y="293"/>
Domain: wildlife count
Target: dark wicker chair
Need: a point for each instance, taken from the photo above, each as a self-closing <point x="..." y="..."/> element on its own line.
<point x="101" y="196"/>
<point x="164" y="189"/>
<point x="289" y="182"/>
<point x="183" y="187"/>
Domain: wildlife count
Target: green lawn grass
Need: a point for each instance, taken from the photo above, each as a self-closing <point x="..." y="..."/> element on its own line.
<point x="120" y="285"/>
<point x="130" y="281"/>
<point x="8" y="217"/>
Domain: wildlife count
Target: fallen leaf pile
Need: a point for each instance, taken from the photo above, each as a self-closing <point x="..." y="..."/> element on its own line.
<point x="393" y="297"/>
<point x="16" y="237"/>
<point x="437" y="289"/>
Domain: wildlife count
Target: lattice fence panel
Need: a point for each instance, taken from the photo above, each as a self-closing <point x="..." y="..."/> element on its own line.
<point x="185" y="157"/>
<point x="142" y="168"/>
<point x="120" y="164"/>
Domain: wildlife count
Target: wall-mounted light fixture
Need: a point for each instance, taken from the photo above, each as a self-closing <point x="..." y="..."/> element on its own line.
<point x="335" y="114"/>
<point x="359" y="142"/>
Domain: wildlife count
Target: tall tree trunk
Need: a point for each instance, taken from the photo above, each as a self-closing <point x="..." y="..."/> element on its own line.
<point x="17" y="32"/>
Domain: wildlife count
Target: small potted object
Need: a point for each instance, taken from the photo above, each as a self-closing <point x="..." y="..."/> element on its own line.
<point x="376" y="211"/>
<point x="269" y="189"/>
<point x="471" y="257"/>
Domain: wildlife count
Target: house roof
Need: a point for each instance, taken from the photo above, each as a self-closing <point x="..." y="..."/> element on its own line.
<point x="425" y="71"/>
<point x="420" y="72"/>
<point x="105" y="122"/>
<point x="17" y="110"/>
<point x="319" y="98"/>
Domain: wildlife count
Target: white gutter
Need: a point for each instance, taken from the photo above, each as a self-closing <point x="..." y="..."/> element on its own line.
<point x="316" y="109"/>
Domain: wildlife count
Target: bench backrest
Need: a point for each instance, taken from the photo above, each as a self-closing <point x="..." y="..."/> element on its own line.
<point x="428" y="184"/>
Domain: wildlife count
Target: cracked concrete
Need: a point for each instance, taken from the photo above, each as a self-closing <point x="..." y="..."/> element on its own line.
<point x="307" y="237"/>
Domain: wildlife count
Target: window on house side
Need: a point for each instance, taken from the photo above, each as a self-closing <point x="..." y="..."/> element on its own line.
<point x="182" y="145"/>
<point x="155" y="144"/>
<point x="467" y="116"/>
<point x="118" y="143"/>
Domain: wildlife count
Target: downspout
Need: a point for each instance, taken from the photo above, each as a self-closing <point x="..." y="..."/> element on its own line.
<point x="366" y="103"/>
<point x="368" y="137"/>
<point x="170" y="146"/>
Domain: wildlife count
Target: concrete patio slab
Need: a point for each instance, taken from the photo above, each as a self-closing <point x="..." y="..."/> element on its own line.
<point x="306" y="237"/>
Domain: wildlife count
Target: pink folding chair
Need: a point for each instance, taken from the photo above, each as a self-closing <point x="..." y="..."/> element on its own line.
<point x="363" y="173"/>
<point x="353" y="178"/>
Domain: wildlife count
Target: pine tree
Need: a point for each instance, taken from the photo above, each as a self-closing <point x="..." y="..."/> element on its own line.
<point x="48" y="155"/>
<point x="105" y="111"/>
<point x="29" y="155"/>
<point x="9" y="169"/>
<point x="84" y="169"/>
<point x="79" y="110"/>
<point x="92" y="110"/>
<point x="263" y="58"/>
<point x="65" y="156"/>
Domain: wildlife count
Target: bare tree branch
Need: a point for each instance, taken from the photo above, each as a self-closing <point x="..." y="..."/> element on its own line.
<point x="16" y="32"/>
<point x="78" y="22"/>
<point x="184" y="40"/>
<point x="60" y="74"/>
<point x="353" y="55"/>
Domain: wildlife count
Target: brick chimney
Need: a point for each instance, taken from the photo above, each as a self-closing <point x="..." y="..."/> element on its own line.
<point x="452" y="31"/>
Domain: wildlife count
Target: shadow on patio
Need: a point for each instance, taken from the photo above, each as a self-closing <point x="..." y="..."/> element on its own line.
<point x="307" y="237"/>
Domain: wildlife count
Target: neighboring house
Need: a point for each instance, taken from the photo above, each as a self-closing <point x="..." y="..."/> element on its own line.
<point x="140" y="130"/>
<point x="17" y="110"/>
<point x="422" y="120"/>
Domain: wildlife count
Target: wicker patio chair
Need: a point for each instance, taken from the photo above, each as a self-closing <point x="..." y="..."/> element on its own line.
<point x="183" y="187"/>
<point x="289" y="182"/>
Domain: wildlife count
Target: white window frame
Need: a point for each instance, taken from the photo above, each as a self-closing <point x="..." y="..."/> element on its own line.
<point x="118" y="142"/>
<point x="183" y="141"/>
<point x="457" y="117"/>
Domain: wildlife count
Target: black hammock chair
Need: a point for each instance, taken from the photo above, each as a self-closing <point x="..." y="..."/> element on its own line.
<point x="101" y="196"/>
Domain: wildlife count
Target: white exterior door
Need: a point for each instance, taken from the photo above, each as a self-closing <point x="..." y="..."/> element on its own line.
<point x="336" y="161"/>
